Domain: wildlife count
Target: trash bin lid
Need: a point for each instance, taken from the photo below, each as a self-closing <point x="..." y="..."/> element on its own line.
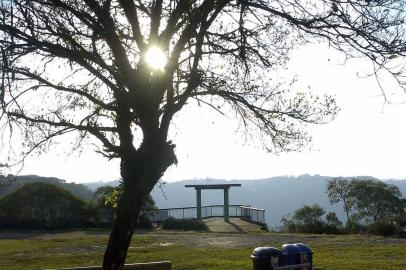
<point x="290" y="249"/>
<point x="261" y="252"/>
<point x="305" y="248"/>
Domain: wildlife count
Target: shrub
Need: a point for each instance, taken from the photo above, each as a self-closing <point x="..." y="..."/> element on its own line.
<point x="184" y="224"/>
<point x="308" y="219"/>
<point x="333" y="224"/>
<point x="144" y="222"/>
<point x="331" y="229"/>
<point x="381" y="228"/>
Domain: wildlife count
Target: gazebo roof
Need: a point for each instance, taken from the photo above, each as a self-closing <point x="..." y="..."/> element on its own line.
<point x="214" y="186"/>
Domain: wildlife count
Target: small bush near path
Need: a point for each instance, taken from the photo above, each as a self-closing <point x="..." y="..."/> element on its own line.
<point x="184" y="224"/>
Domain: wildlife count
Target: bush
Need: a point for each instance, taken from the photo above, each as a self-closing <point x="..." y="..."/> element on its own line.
<point x="332" y="229"/>
<point x="184" y="224"/>
<point x="333" y="224"/>
<point x="400" y="233"/>
<point x="315" y="227"/>
<point x="381" y="228"/>
<point x="355" y="227"/>
<point x="144" y="222"/>
<point x="308" y="219"/>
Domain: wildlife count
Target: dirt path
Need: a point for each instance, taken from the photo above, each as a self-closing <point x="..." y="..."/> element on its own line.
<point x="235" y="225"/>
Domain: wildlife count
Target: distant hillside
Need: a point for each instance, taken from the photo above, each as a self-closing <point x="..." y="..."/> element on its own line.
<point x="95" y="185"/>
<point x="279" y="196"/>
<point x="15" y="182"/>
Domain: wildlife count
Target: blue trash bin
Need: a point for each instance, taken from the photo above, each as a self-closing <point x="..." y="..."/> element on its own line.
<point x="309" y="253"/>
<point x="266" y="258"/>
<point x="298" y="254"/>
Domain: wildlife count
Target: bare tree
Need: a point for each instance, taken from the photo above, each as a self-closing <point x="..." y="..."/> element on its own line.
<point x="80" y="66"/>
<point x="5" y="180"/>
<point x="340" y="190"/>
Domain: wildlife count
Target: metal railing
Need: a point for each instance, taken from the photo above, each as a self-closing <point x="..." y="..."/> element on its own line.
<point x="253" y="214"/>
<point x="244" y="212"/>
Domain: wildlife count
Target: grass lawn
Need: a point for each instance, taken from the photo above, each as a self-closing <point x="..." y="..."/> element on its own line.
<point x="188" y="250"/>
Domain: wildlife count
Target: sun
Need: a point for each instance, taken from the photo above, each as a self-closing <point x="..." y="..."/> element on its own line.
<point x="156" y="58"/>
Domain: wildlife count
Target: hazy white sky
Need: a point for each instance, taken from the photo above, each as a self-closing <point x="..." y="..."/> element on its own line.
<point x="366" y="138"/>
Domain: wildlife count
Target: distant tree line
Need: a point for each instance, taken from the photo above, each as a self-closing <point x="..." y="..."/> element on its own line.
<point x="11" y="183"/>
<point x="371" y="206"/>
<point x="42" y="205"/>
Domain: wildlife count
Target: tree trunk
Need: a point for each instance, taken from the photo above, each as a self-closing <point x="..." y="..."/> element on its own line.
<point x="140" y="171"/>
<point x="347" y="211"/>
<point x="120" y="236"/>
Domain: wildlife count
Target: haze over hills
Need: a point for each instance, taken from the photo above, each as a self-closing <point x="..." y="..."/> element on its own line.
<point x="279" y="196"/>
<point x="15" y="182"/>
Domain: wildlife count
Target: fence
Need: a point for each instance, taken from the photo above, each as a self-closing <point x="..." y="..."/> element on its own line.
<point x="248" y="213"/>
<point x="253" y="214"/>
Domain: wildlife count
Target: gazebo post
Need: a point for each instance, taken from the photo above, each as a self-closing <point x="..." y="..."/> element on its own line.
<point x="224" y="187"/>
<point x="199" y="203"/>
<point x="226" y="206"/>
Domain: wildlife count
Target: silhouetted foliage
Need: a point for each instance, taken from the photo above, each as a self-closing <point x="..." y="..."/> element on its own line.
<point x="105" y="208"/>
<point x="309" y="219"/>
<point x="81" y="64"/>
<point x="371" y="205"/>
<point x="5" y="183"/>
<point x="44" y="206"/>
<point x="377" y="202"/>
<point x="106" y="199"/>
<point x="333" y="224"/>
<point x="381" y="228"/>
<point x="369" y="201"/>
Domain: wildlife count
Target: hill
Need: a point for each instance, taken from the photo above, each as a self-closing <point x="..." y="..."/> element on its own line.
<point x="16" y="182"/>
<point x="95" y="185"/>
<point x="279" y="196"/>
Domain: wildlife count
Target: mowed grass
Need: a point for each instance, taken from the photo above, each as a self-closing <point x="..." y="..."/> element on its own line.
<point x="196" y="250"/>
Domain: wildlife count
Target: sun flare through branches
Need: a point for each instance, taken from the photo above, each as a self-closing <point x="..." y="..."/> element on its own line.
<point x="156" y="58"/>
